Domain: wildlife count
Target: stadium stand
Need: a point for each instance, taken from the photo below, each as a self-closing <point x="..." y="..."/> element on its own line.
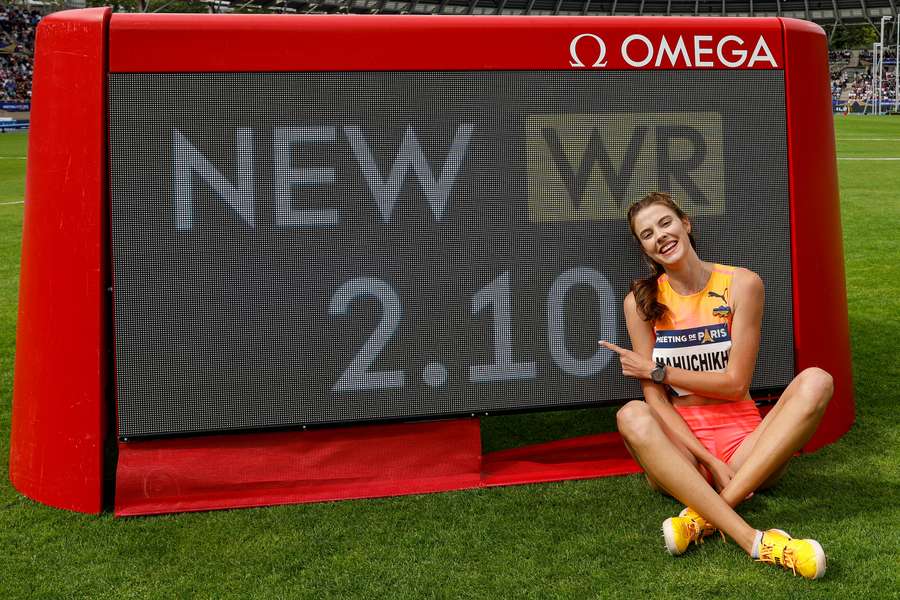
<point x="851" y="78"/>
<point x="851" y="70"/>
<point x="17" y="28"/>
<point x="823" y="12"/>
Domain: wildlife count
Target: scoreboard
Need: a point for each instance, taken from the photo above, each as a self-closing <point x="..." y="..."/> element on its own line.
<point x="250" y="223"/>
<point x="318" y="247"/>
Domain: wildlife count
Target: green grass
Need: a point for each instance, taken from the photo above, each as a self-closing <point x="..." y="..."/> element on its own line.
<point x="12" y="166"/>
<point x="597" y="538"/>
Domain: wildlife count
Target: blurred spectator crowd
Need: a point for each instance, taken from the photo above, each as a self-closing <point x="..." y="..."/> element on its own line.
<point x="851" y="76"/>
<point x="851" y="70"/>
<point x="17" y="28"/>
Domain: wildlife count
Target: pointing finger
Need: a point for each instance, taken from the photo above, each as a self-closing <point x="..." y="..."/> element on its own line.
<point x="611" y="346"/>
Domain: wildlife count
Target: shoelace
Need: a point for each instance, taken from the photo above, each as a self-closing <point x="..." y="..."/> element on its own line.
<point x="703" y="532"/>
<point x="788" y="560"/>
<point x="694" y="531"/>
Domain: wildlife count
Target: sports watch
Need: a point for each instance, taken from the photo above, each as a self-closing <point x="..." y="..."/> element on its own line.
<point x="658" y="374"/>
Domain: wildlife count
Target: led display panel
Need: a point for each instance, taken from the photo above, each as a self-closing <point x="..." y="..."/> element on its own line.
<point x="334" y="247"/>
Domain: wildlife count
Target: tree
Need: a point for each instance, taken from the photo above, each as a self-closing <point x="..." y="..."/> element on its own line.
<point x="853" y="37"/>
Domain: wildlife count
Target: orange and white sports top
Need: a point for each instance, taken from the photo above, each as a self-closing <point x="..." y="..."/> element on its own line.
<point x="695" y="332"/>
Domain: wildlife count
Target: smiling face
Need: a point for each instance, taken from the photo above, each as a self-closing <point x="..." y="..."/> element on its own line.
<point x="662" y="234"/>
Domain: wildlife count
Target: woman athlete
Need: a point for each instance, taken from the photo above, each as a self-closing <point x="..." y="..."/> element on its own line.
<point x="695" y="329"/>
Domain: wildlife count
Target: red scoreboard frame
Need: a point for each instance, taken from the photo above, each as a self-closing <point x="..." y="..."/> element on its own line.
<point x="64" y="399"/>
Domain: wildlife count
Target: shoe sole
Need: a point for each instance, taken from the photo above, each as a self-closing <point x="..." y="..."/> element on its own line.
<point x="820" y="559"/>
<point x="669" y="535"/>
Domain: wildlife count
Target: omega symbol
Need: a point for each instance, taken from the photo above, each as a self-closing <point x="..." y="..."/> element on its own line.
<point x="573" y="50"/>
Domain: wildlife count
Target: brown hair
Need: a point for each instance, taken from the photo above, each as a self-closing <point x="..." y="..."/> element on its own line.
<point x="645" y="290"/>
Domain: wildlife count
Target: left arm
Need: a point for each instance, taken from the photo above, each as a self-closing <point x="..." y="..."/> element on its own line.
<point x="734" y="383"/>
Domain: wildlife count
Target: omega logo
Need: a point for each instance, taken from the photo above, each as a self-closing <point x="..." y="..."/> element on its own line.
<point x="573" y="50"/>
<point x="684" y="51"/>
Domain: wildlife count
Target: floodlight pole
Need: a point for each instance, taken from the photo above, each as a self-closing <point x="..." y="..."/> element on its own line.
<point x="874" y="95"/>
<point x="884" y="19"/>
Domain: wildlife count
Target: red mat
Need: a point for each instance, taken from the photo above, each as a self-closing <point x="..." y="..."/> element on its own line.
<point x="243" y="470"/>
<point x="600" y="455"/>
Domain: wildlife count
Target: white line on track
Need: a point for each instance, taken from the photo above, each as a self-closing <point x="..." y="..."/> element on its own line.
<point x="13" y="157"/>
<point x="868" y="158"/>
<point x="8" y="203"/>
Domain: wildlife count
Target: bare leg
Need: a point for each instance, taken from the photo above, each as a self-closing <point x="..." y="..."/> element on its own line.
<point x="655" y="485"/>
<point x="763" y="456"/>
<point x="667" y="466"/>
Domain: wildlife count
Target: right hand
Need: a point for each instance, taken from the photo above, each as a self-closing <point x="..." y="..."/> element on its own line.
<point x="721" y="472"/>
<point x="633" y="364"/>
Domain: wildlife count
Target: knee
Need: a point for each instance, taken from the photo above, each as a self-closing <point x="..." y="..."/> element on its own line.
<point x="816" y="386"/>
<point x="635" y="421"/>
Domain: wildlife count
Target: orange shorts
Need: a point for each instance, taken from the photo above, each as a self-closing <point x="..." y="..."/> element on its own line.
<point x="722" y="427"/>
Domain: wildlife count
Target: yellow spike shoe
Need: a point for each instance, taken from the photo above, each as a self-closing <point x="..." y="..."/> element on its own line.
<point x="679" y="532"/>
<point x="804" y="557"/>
<point x="706" y="528"/>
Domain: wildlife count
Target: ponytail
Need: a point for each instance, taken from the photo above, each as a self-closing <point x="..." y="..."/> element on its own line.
<point x="646" y="292"/>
